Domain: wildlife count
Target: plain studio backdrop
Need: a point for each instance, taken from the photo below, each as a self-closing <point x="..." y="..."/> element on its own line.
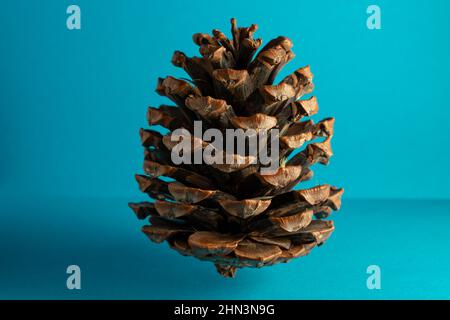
<point x="72" y="103"/>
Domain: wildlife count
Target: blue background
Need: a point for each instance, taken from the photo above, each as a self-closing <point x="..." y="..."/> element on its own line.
<point x="72" y="102"/>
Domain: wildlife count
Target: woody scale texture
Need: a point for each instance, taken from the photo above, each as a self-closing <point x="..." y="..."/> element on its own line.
<point x="231" y="214"/>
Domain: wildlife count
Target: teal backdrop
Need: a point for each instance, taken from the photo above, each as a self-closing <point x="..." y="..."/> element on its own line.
<point x="72" y="102"/>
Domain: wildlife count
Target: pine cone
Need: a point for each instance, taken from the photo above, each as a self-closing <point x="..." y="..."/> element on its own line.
<point x="232" y="214"/>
